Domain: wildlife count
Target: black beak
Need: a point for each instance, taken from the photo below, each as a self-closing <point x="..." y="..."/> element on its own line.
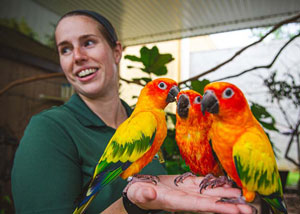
<point x="172" y="94"/>
<point x="209" y="103"/>
<point x="183" y="105"/>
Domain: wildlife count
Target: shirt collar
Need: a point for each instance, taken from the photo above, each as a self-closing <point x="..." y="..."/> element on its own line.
<point x="85" y="115"/>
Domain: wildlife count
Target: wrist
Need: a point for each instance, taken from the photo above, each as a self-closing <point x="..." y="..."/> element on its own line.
<point x="132" y="208"/>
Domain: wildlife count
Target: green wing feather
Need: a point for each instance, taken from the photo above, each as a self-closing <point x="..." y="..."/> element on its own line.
<point x="131" y="141"/>
<point x="257" y="169"/>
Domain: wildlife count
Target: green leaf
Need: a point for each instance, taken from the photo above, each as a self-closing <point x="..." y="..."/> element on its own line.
<point x="158" y="66"/>
<point x="172" y="117"/>
<point x="133" y="58"/>
<point x="146" y="79"/>
<point x="198" y="85"/>
<point x="148" y="55"/>
<point x="159" y="71"/>
<point x="261" y="114"/>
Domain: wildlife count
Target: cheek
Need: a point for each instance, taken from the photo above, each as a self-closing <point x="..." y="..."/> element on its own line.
<point x="65" y="64"/>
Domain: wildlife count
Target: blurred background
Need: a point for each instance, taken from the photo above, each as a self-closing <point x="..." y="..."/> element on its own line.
<point x="252" y="43"/>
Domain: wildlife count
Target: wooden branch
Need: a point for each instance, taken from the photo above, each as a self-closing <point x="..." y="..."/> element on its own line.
<point x="30" y="79"/>
<point x="275" y="27"/>
<point x="138" y="82"/>
<point x="48" y="76"/>
<point x="296" y="135"/>
<point x="261" y="66"/>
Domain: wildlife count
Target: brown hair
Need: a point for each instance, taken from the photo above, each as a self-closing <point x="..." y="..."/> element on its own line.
<point x="105" y="27"/>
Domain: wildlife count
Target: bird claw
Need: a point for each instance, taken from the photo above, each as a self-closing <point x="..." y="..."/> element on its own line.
<point x="211" y="181"/>
<point x="182" y="177"/>
<point x="140" y="178"/>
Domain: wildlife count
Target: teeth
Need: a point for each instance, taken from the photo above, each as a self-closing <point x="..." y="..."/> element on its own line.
<point x="86" y="72"/>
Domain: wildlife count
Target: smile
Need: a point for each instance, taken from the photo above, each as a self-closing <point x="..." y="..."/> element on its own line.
<point x="86" y="72"/>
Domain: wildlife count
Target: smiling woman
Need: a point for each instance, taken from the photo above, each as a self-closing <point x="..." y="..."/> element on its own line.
<point x="61" y="146"/>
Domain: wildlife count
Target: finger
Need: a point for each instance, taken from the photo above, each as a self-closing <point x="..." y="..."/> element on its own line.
<point x="141" y="192"/>
<point x="191" y="185"/>
<point x="245" y="208"/>
<point x="223" y="192"/>
<point x="200" y="203"/>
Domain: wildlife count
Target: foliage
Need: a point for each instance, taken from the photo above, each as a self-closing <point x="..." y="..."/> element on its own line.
<point x="287" y="89"/>
<point x="284" y="32"/>
<point x="20" y="26"/>
<point x="6" y="204"/>
<point x="153" y="62"/>
<point x="50" y="38"/>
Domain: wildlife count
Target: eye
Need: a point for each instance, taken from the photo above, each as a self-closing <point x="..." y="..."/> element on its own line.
<point x="88" y="43"/>
<point x="197" y="100"/>
<point x="228" y="93"/>
<point x="64" y="50"/>
<point x="162" y="85"/>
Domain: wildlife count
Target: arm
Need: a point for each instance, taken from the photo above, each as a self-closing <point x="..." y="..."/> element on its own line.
<point x="46" y="176"/>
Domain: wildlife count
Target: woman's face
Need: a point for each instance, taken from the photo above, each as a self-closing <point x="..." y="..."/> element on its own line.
<point x="87" y="60"/>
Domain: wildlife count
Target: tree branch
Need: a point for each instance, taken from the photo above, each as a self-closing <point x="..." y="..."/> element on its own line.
<point x="48" y="76"/>
<point x="138" y="82"/>
<point x="261" y="66"/>
<point x="296" y="135"/>
<point x="29" y="79"/>
<point x="275" y="27"/>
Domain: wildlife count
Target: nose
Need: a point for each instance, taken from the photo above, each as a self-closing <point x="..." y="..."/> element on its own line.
<point x="79" y="55"/>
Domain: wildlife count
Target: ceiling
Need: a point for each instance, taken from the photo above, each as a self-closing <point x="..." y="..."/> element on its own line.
<point x="146" y="21"/>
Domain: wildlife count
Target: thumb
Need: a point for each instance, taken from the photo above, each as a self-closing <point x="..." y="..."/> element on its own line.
<point x="141" y="192"/>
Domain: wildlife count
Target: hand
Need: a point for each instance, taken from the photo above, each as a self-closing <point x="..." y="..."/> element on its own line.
<point x="184" y="197"/>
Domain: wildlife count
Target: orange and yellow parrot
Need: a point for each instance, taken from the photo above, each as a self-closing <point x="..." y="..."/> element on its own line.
<point x="136" y="140"/>
<point x="242" y="146"/>
<point x="192" y="137"/>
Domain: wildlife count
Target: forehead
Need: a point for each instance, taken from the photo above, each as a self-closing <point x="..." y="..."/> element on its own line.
<point x="76" y="26"/>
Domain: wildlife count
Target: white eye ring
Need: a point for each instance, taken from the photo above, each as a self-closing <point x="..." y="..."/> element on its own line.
<point x="228" y="93"/>
<point x="197" y="100"/>
<point x="162" y="85"/>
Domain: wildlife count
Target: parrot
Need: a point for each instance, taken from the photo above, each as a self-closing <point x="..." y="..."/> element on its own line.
<point x="192" y="137"/>
<point x="136" y="141"/>
<point x="242" y="146"/>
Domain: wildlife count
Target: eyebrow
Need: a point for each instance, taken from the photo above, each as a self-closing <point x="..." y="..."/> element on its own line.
<point x="81" y="37"/>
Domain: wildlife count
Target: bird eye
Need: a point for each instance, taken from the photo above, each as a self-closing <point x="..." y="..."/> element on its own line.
<point x="228" y="93"/>
<point x="197" y="100"/>
<point x="162" y="85"/>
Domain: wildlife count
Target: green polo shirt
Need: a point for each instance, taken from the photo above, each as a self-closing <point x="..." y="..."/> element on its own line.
<point x="57" y="156"/>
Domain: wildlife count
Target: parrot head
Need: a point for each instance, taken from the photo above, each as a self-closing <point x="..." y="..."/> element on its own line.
<point x="223" y="99"/>
<point x="188" y="101"/>
<point x="158" y="93"/>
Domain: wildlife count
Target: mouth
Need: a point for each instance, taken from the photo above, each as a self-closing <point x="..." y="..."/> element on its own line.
<point x="183" y="106"/>
<point x="172" y="94"/>
<point x="209" y="103"/>
<point x="86" y="72"/>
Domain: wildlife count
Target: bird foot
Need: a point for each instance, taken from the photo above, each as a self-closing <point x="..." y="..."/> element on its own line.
<point x="182" y="177"/>
<point x="141" y="178"/>
<point x="211" y="181"/>
<point x="239" y="200"/>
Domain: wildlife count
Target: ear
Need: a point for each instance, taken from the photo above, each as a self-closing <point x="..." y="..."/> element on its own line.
<point x="118" y="52"/>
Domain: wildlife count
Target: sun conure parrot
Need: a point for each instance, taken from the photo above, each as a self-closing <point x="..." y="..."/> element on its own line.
<point x="136" y="140"/>
<point x="242" y="146"/>
<point x="192" y="137"/>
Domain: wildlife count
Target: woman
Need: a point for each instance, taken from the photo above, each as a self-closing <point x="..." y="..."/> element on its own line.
<point x="62" y="145"/>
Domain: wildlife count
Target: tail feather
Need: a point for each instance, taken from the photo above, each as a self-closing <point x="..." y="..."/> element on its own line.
<point x="276" y="203"/>
<point x="81" y="209"/>
<point x="98" y="182"/>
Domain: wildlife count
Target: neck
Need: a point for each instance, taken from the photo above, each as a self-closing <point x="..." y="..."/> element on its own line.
<point x="109" y="109"/>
